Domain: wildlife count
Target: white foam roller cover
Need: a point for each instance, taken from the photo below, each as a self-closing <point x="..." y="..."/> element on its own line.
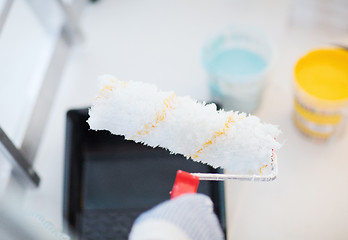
<point x="139" y="111"/>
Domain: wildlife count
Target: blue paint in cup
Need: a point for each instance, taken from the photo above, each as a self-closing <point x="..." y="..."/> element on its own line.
<point x="237" y="62"/>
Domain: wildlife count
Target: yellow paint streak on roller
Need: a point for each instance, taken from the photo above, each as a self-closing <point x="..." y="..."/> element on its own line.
<point x="110" y="87"/>
<point x="160" y="116"/>
<point x="264" y="166"/>
<point x="215" y="136"/>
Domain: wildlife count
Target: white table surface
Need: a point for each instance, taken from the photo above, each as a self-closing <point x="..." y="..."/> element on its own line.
<point x="160" y="42"/>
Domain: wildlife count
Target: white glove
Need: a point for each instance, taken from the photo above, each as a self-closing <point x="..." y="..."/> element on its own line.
<point x="187" y="217"/>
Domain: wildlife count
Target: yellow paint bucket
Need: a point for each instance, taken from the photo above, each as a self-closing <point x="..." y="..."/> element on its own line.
<point x="321" y="93"/>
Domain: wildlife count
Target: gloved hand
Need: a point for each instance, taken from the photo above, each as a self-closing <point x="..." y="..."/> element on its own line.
<point x="187" y="217"/>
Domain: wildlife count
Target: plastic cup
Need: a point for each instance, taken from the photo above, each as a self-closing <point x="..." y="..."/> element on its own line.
<point x="237" y="62"/>
<point x="321" y="93"/>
